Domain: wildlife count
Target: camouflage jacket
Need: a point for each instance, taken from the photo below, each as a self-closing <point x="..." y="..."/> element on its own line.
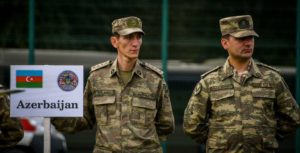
<point x="11" y="131"/>
<point x="241" y="114"/>
<point x="130" y="117"/>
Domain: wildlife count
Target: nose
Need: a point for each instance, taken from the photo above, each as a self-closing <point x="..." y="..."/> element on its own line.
<point x="248" y="40"/>
<point x="136" y="41"/>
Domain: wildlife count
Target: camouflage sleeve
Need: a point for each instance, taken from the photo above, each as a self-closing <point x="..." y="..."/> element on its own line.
<point x="288" y="113"/>
<point x="195" y="124"/>
<point x="165" y="123"/>
<point x="11" y="131"/>
<point x="75" y="124"/>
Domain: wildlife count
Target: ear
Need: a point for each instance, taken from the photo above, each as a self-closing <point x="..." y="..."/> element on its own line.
<point x="114" y="41"/>
<point x="224" y="43"/>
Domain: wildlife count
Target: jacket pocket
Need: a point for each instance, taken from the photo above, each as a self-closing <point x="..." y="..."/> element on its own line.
<point x="264" y="99"/>
<point x="222" y="105"/>
<point x="105" y="109"/>
<point x="263" y="93"/>
<point x="219" y="92"/>
<point x="143" y="111"/>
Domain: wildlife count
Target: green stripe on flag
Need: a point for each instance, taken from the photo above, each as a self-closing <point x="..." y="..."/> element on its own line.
<point x="29" y="85"/>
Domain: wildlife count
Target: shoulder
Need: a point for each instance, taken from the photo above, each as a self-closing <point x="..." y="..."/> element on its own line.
<point x="152" y="68"/>
<point x="210" y="71"/>
<point x="268" y="67"/>
<point x="101" y="65"/>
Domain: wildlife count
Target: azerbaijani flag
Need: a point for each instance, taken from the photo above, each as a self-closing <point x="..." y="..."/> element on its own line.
<point x="29" y="78"/>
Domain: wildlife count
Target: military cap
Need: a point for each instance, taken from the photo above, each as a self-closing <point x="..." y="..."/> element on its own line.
<point x="237" y="26"/>
<point x="127" y="25"/>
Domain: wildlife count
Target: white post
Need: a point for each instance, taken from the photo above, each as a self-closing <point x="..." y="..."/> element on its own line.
<point x="47" y="135"/>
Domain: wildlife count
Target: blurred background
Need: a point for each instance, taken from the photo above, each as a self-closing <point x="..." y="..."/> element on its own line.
<point x="77" y="32"/>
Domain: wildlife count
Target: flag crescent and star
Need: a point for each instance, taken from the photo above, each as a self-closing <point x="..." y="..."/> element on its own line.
<point x="29" y="79"/>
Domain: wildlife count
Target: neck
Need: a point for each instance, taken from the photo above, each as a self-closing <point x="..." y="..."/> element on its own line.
<point x="126" y="64"/>
<point x="239" y="65"/>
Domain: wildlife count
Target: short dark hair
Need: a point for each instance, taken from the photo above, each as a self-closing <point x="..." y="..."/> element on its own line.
<point x="115" y="34"/>
<point x="226" y="36"/>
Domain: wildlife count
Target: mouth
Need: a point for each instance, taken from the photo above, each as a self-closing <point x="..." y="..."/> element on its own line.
<point x="248" y="50"/>
<point x="134" y="50"/>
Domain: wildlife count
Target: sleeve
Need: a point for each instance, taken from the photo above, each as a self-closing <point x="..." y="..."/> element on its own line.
<point x="165" y="123"/>
<point x="195" y="120"/>
<point x="287" y="111"/>
<point x="11" y="131"/>
<point x="75" y="124"/>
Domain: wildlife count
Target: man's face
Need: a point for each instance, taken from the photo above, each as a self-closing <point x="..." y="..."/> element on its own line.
<point x="128" y="46"/>
<point x="239" y="48"/>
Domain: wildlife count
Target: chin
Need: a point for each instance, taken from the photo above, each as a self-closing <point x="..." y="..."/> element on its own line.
<point x="133" y="56"/>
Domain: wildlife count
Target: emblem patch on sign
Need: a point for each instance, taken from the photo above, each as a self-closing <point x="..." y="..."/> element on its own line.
<point x="67" y="80"/>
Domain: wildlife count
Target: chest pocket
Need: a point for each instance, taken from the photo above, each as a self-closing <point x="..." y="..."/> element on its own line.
<point x="104" y="106"/>
<point x="263" y="93"/>
<point x="222" y="97"/>
<point x="221" y="92"/>
<point x="143" y="110"/>
<point x="264" y="99"/>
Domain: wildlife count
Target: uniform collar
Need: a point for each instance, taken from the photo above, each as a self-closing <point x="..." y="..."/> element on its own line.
<point x="114" y="68"/>
<point x="136" y="70"/>
<point x="228" y="70"/>
<point x="255" y="70"/>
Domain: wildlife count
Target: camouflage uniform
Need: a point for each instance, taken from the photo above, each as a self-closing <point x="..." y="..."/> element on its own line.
<point x="130" y="118"/>
<point x="11" y="131"/>
<point x="241" y="113"/>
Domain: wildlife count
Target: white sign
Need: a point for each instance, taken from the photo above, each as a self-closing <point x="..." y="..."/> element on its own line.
<point x="49" y="91"/>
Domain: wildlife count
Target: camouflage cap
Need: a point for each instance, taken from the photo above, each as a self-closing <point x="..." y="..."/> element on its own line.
<point x="237" y="26"/>
<point x="127" y="25"/>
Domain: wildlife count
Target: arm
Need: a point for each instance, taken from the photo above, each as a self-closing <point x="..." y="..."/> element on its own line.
<point x="287" y="111"/>
<point x="72" y="125"/>
<point x="165" y="123"/>
<point x="195" y="121"/>
<point x="11" y="129"/>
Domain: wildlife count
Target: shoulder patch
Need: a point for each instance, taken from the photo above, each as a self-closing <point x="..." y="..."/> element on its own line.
<point x="269" y="67"/>
<point x="210" y="71"/>
<point x="197" y="89"/>
<point x="101" y="65"/>
<point x="153" y="68"/>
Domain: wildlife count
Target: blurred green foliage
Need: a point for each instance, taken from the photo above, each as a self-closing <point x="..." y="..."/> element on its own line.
<point x="193" y="26"/>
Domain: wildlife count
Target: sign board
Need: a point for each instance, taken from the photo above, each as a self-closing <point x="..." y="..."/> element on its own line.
<point x="49" y="91"/>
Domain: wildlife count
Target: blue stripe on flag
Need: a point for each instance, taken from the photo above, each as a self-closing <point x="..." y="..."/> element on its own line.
<point x="29" y="73"/>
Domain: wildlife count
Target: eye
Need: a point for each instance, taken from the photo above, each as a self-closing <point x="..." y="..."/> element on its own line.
<point x="128" y="37"/>
<point x="139" y="36"/>
<point x="246" y="38"/>
<point x="133" y="36"/>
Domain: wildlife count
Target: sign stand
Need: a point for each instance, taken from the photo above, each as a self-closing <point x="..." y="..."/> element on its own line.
<point x="47" y="135"/>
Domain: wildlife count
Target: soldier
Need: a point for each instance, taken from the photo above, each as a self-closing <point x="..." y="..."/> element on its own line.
<point x="127" y="99"/>
<point x="11" y="131"/>
<point x="243" y="106"/>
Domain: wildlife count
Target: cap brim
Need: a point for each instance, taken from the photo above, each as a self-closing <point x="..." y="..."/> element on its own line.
<point x="244" y="33"/>
<point x="130" y="31"/>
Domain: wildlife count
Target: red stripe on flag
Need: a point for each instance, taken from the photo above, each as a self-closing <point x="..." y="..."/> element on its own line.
<point x="29" y="79"/>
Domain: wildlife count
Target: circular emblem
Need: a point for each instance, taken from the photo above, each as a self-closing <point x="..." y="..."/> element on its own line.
<point x="244" y="24"/>
<point x="67" y="80"/>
